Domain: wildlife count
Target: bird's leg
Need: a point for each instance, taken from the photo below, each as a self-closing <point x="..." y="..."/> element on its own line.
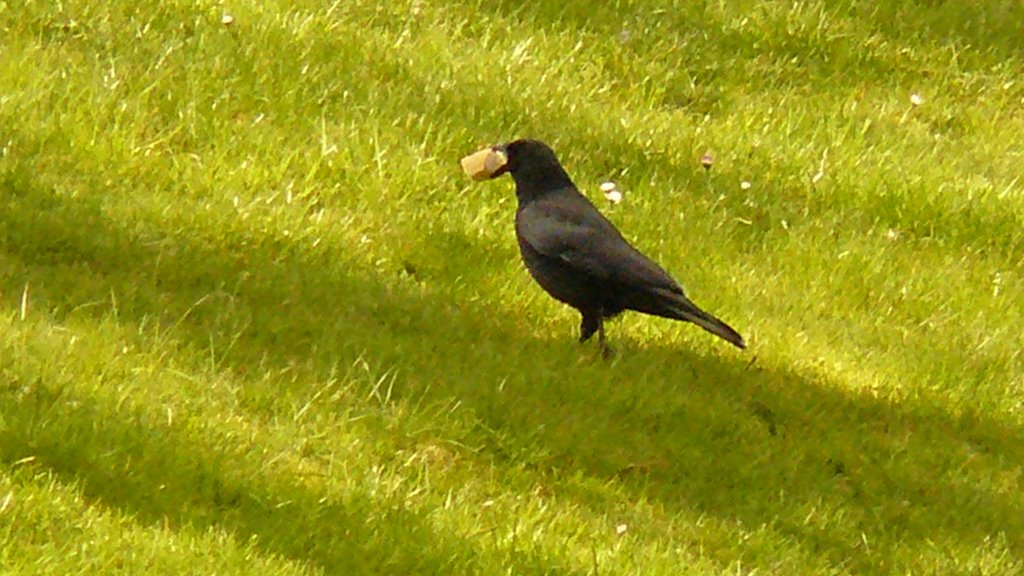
<point x="606" y="350"/>
<point x="591" y="323"/>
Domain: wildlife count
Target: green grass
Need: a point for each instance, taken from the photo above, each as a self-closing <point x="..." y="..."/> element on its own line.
<point x="254" y="320"/>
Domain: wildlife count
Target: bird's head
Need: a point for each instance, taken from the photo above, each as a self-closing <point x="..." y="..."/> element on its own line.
<point x="531" y="163"/>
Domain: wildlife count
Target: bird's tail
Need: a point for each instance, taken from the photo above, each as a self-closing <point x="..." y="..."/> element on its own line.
<point x="686" y="310"/>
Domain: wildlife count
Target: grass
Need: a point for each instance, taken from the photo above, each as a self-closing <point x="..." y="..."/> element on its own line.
<point x="253" y="320"/>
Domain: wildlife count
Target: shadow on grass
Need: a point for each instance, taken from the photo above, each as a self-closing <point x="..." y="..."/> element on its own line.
<point x="274" y="312"/>
<point x="150" y="470"/>
<point x="985" y="228"/>
<point x="700" y="434"/>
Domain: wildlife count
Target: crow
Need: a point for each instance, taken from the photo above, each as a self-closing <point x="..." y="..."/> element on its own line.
<point x="576" y="254"/>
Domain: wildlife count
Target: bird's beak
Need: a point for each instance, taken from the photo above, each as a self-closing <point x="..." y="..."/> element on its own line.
<point x="487" y="163"/>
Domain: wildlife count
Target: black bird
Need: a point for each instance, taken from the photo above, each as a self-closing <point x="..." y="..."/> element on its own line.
<point x="576" y="254"/>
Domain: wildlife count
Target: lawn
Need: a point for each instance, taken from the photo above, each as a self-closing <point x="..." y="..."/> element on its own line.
<point x="254" y="320"/>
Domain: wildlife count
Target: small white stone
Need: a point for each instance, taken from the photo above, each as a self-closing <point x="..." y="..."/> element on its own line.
<point x="608" y="186"/>
<point x="227" y="19"/>
<point x="745" y="185"/>
<point x="916" y="100"/>
<point x="613" y="196"/>
<point x="620" y="529"/>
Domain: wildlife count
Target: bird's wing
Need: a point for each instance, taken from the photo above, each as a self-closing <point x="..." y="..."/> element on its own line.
<point x="571" y="229"/>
